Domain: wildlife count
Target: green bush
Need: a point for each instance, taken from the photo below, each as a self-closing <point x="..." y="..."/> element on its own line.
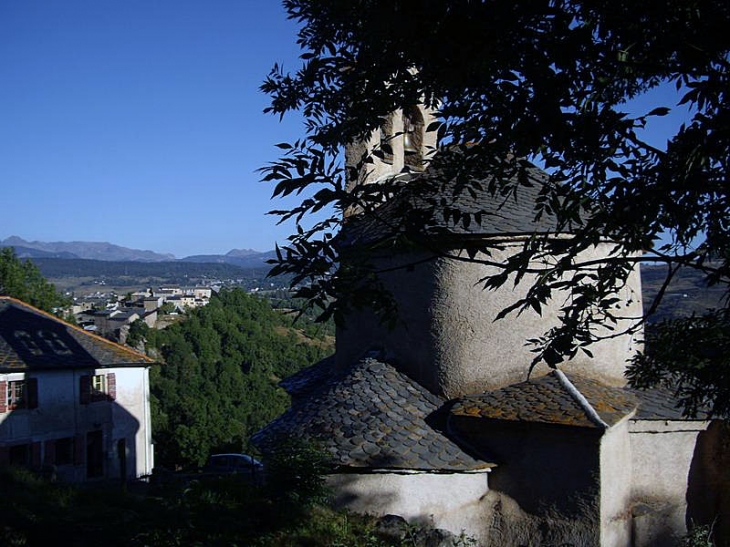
<point x="698" y="536"/>
<point x="296" y="473"/>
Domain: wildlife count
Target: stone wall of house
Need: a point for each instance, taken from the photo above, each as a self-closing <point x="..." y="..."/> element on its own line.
<point x="676" y="477"/>
<point x="616" y="477"/>
<point x="444" y="500"/>
<point x="448" y="339"/>
<point x="132" y="422"/>
<point x="542" y="467"/>
<point x="59" y="415"/>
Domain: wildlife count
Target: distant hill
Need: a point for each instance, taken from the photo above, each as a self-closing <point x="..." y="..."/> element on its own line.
<point x="58" y="268"/>
<point x="82" y="249"/>
<point x="688" y="293"/>
<point x="244" y="258"/>
<point x="28" y="252"/>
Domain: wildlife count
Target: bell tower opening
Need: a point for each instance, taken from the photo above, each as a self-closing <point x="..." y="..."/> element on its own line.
<point x="413" y="129"/>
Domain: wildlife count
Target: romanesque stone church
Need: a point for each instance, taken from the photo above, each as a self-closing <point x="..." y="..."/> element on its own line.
<point x="436" y="419"/>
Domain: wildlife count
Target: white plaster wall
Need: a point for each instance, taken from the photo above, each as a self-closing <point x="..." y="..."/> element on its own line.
<point x="449" y="340"/>
<point x="479" y="353"/>
<point x="60" y="414"/>
<point x="57" y="396"/>
<point x="616" y="474"/>
<point x="449" y="501"/>
<point x="131" y="418"/>
<point x="662" y="453"/>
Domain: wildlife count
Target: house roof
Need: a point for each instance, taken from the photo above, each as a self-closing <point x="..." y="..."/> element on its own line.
<point x="31" y="339"/>
<point x="550" y="400"/>
<point x="310" y="378"/>
<point x="426" y="206"/>
<point x="369" y="416"/>
<point x="661" y="403"/>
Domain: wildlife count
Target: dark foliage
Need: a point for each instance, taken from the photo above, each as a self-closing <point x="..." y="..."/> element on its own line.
<point x="218" y="383"/>
<point x="206" y="513"/>
<point x="22" y="280"/>
<point x="515" y="84"/>
<point x="77" y="267"/>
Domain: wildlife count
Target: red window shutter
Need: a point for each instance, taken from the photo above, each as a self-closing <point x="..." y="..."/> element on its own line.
<point x="49" y="453"/>
<point x="85" y="389"/>
<point x="111" y="385"/>
<point x="3" y="396"/>
<point x="35" y="451"/>
<point x="31" y="386"/>
<point x="79" y="450"/>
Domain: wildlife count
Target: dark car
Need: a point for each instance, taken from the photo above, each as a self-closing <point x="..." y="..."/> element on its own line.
<point x="233" y="463"/>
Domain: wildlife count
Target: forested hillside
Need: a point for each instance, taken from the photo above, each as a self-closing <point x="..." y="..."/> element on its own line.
<point x="217" y="383"/>
<point x="64" y="267"/>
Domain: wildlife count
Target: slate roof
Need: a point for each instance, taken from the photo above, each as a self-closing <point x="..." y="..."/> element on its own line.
<point x="546" y="400"/>
<point x="31" y="339"/>
<point x="370" y="416"/>
<point x="660" y="403"/>
<point x="310" y="378"/>
<point x="425" y="198"/>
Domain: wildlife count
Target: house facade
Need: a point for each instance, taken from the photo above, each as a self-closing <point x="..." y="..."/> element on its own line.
<point x="71" y="403"/>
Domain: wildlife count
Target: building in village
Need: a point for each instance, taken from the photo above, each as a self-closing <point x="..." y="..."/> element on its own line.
<point x="436" y="419"/>
<point x="71" y="403"/>
<point x="114" y="319"/>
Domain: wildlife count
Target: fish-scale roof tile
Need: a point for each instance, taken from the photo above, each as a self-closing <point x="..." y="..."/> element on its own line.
<point x="516" y="403"/>
<point x="661" y="403"/>
<point x="380" y="434"/>
<point x="431" y="201"/>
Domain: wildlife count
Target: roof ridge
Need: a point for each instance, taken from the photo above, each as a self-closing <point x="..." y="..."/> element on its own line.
<point x="579" y="398"/>
<point x="77" y="328"/>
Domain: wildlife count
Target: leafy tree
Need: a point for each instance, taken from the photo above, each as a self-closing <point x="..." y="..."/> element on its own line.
<point x="519" y="83"/>
<point x="218" y="383"/>
<point x="22" y="280"/>
<point x="138" y="333"/>
<point x="167" y="308"/>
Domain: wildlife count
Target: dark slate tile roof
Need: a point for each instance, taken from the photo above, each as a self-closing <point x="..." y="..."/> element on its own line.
<point x="32" y="339"/>
<point x="426" y="197"/>
<point x="546" y="400"/>
<point x="660" y="403"/>
<point x="371" y="416"/>
<point x="309" y="378"/>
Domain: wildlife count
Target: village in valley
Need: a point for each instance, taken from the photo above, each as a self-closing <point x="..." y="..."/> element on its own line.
<point x="110" y="315"/>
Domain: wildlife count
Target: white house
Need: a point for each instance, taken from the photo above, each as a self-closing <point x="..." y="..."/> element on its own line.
<point x="71" y="401"/>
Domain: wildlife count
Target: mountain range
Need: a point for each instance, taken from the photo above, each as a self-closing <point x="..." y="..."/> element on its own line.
<point x="245" y="258"/>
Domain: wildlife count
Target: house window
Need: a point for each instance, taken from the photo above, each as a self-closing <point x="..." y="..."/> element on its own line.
<point x="28" y="343"/>
<point x="15" y="395"/>
<point x="54" y="342"/>
<point x="98" y="387"/>
<point x="18" y="394"/>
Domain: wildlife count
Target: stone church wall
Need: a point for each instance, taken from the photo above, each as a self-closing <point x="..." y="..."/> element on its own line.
<point x="443" y="500"/>
<point x="448" y="339"/>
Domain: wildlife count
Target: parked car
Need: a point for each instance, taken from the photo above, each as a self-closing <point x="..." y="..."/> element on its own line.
<point x="233" y="463"/>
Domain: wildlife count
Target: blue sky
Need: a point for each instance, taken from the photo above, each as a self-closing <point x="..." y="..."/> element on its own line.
<point x="140" y="122"/>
